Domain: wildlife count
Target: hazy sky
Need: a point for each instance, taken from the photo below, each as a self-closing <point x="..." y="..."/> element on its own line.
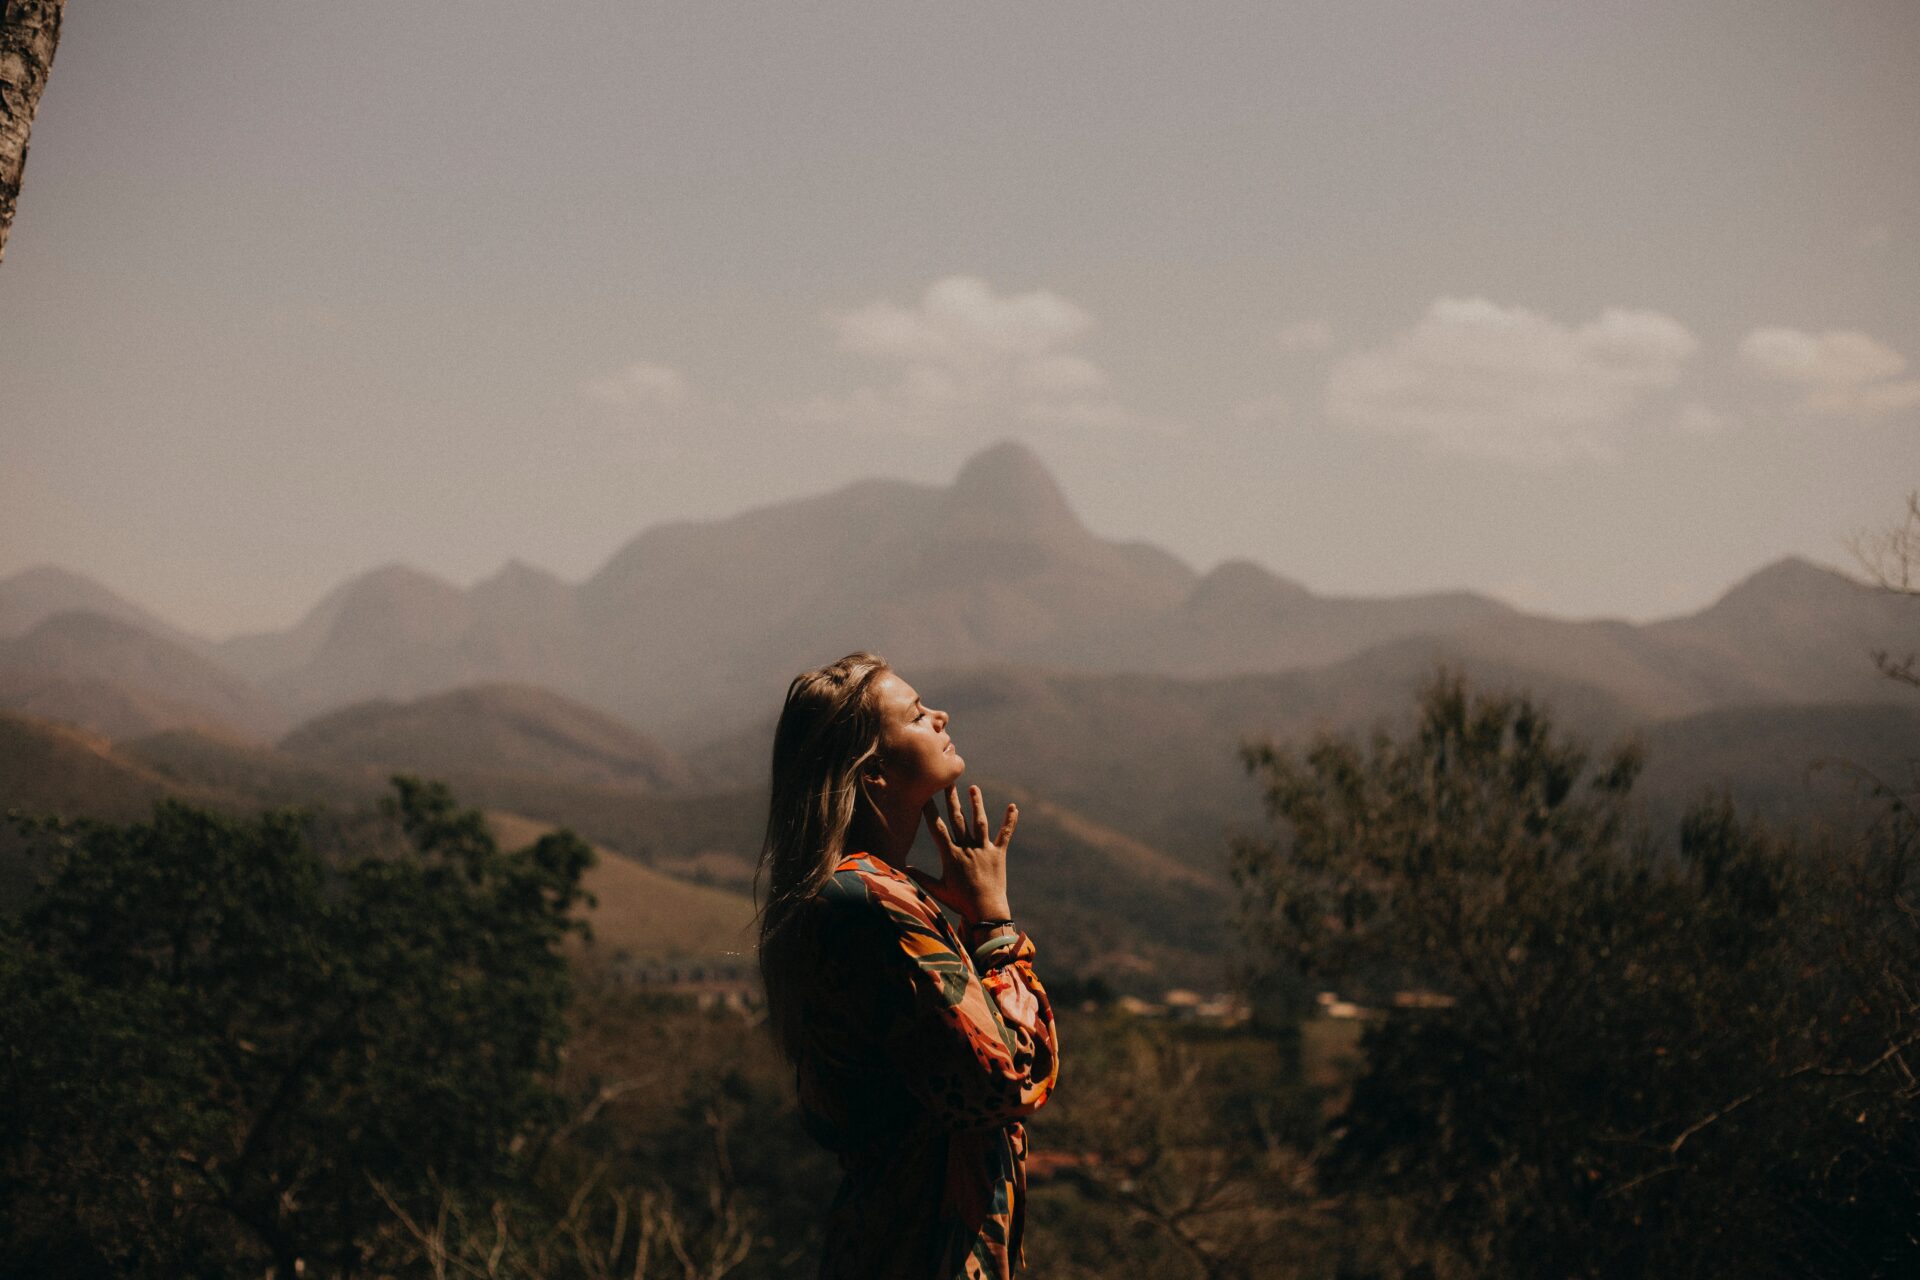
<point x="1595" y="306"/>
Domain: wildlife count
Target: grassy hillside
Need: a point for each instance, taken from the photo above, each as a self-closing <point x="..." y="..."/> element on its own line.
<point x="55" y="770"/>
<point x="644" y="916"/>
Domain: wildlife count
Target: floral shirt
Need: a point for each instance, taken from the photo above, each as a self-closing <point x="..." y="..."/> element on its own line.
<point x="915" y="1070"/>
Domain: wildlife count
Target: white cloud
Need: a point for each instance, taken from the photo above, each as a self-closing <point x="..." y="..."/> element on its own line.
<point x="963" y="355"/>
<point x="1838" y="357"/>
<point x="1845" y="373"/>
<point x="641" y="385"/>
<point x="1303" y="335"/>
<point x="960" y="322"/>
<point x="1506" y="382"/>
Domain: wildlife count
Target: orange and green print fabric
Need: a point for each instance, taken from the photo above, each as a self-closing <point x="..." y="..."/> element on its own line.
<point x="916" y="1071"/>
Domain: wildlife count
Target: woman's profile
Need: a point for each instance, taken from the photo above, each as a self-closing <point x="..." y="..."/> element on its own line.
<point x="917" y="1047"/>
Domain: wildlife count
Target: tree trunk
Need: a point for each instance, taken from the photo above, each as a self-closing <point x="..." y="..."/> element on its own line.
<point x="29" y="30"/>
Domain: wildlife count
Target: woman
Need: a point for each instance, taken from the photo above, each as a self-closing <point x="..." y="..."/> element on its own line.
<point x="917" y="1046"/>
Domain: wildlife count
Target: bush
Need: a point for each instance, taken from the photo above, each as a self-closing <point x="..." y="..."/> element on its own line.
<point x="224" y="1054"/>
<point x="1691" y="1062"/>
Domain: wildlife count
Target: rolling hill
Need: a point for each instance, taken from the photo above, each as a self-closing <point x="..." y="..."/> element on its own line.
<point x="641" y="915"/>
<point x="112" y="676"/>
<point x="493" y="728"/>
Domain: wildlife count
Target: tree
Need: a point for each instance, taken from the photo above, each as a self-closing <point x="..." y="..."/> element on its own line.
<point x="1689" y="1061"/>
<point x="1186" y="1156"/>
<point x="222" y="1052"/>
<point x="29" y="33"/>
<point x="1891" y="559"/>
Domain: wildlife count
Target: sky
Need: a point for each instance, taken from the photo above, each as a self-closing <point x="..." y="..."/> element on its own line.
<point x="1596" y="307"/>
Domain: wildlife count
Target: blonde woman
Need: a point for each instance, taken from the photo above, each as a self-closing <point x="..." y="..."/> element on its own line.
<point x="917" y="1046"/>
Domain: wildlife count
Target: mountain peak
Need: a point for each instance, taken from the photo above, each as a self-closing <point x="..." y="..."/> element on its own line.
<point x="1790" y="578"/>
<point x="516" y="575"/>
<point x="1010" y="481"/>
<point x="33" y="595"/>
<point x="394" y="577"/>
<point x="49" y="575"/>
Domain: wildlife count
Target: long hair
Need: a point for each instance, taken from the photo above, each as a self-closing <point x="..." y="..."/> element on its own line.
<point x="829" y="730"/>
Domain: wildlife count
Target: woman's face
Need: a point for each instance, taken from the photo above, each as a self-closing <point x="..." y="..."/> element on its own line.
<point x="917" y="758"/>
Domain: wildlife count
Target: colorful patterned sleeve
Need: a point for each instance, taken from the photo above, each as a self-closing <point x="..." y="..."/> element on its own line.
<point x="974" y="1049"/>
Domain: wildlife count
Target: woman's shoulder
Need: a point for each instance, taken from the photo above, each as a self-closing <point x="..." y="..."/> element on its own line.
<point x="862" y="883"/>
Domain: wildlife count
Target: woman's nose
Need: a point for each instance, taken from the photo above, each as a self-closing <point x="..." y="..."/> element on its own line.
<point x="941" y="718"/>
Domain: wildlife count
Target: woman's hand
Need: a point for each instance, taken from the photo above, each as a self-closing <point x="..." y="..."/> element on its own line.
<point x="973" y="869"/>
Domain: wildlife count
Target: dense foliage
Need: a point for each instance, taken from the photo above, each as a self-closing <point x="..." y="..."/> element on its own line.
<point x="1619" y="1058"/>
<point x="222" y="1053"/>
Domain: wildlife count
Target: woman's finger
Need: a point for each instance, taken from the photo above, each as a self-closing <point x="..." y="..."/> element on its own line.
<point x="953" y="811"/>
<point x="1006" y="828"/>
<point x="979" y="802"/>
<point x="942" y="838"/>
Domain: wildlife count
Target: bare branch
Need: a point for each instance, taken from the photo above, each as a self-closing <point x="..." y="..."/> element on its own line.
<point x="1891" y="558"/>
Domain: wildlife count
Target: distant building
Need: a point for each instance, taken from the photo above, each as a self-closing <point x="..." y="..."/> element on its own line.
<point x="1332" y="1006"/>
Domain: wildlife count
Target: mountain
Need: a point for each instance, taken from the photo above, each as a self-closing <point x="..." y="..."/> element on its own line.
<point x="116" y="678"/>
<point x="993" y="567"/>
<point x="1794" y="631"/>
<point x="261" y="657"/>
<point x="1241" y="618"/>
<point x="495" y="728"/>
<point x="398" y="632"/>
<point x="52" y="769"/>
<point x="32" y="596"/>
<point x="1791" y="633"/>
<point x="48" y="769"/>
<point x="101" y="706"/>
<point x="692" y="629"/>
<point x="1814" y="765"/>
<point x="393" y="634"/>
<point x="694" y="626"/>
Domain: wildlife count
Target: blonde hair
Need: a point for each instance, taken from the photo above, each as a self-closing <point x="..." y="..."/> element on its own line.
<point x="829" y="730"/>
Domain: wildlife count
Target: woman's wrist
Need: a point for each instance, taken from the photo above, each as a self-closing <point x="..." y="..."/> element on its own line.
<point x="986" y="911"/>
<point x="989" y="929"/>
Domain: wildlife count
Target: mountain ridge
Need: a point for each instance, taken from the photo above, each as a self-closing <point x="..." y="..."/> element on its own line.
<point x="692" y="627"/>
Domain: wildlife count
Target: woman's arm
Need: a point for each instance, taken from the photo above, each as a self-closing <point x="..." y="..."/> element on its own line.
<point x="978" y="1049"/>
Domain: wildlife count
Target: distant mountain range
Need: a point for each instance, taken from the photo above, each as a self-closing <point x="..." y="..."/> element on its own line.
<point x="1106" y="684"/>
<point x="691" y="630"/>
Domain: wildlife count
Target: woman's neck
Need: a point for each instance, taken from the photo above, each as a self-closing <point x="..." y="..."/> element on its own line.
<point x="887" y="836"/>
